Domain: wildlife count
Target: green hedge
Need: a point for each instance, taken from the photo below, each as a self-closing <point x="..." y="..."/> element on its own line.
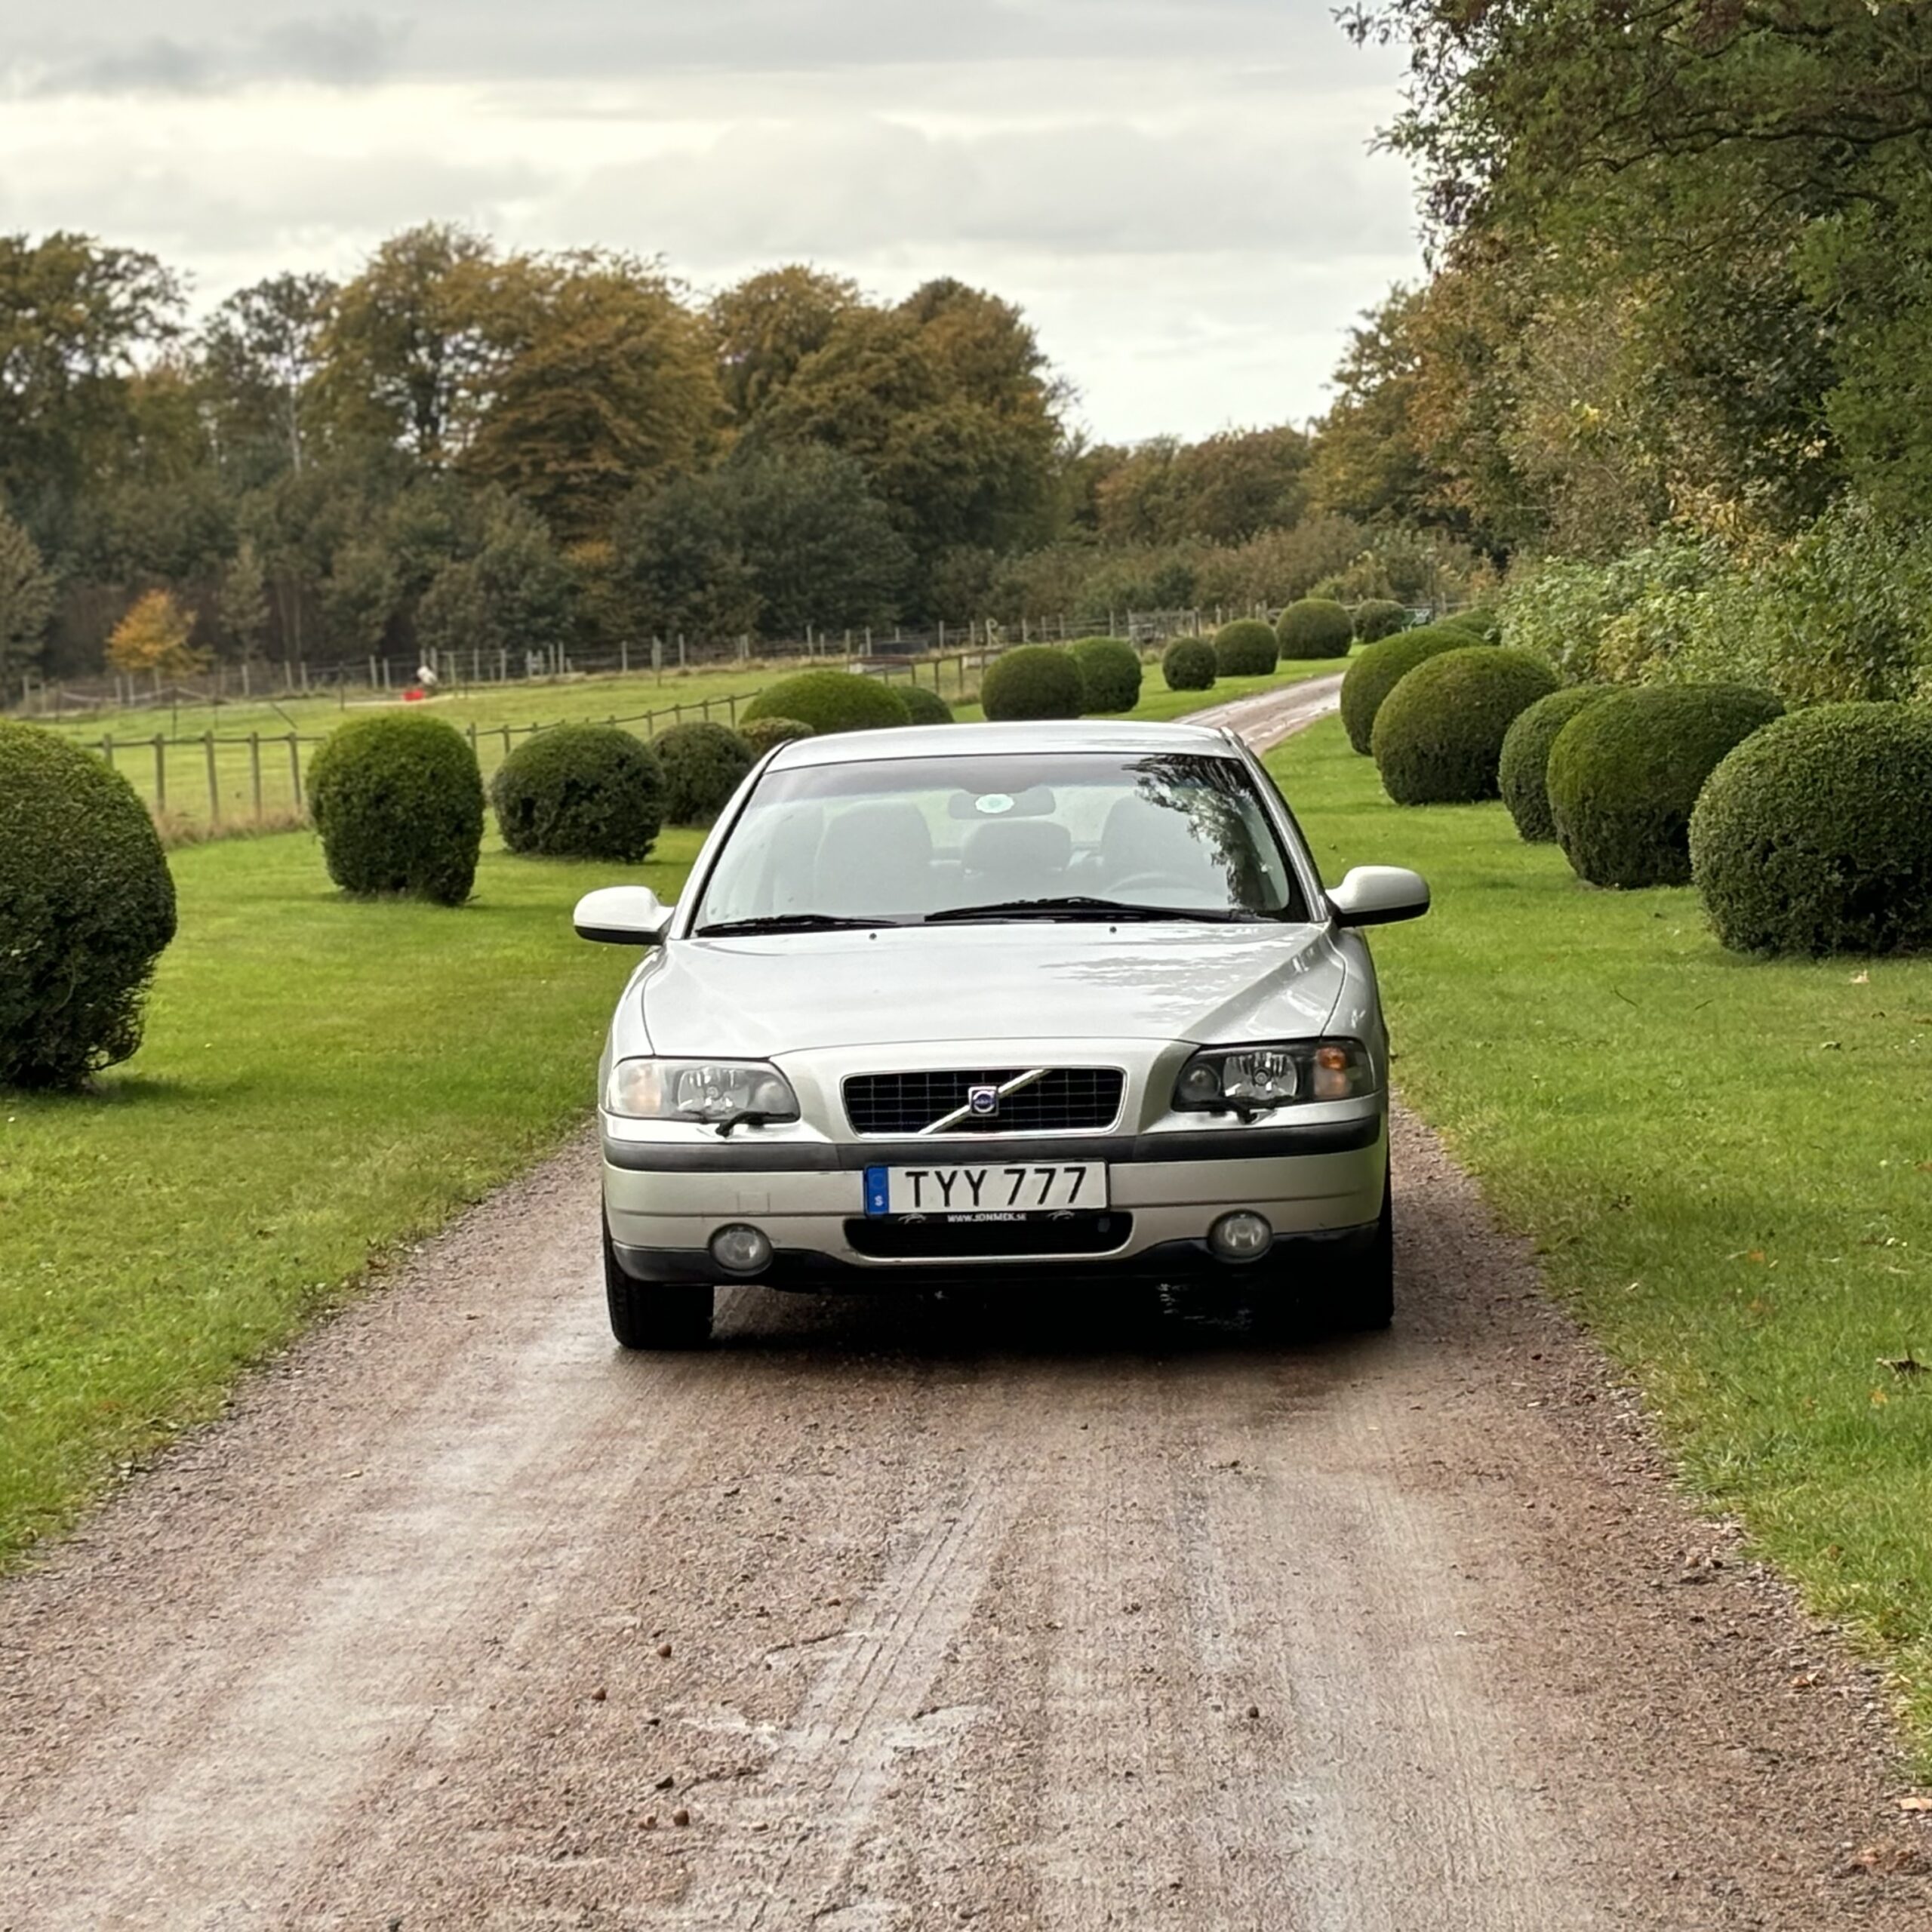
<point x="1376" y="670"/>
<point x="1483" y="622"/>
<point x="829" y="701"/>
<point x="87" y="905"/>
<point x="1246" y="648"/>
<point x="761" y="733"/>
<point x="1438" y="737"/>
<point x="1036" y="681"/>
<point x="1316" y="627"/>
<point x="1624" y="775"/>
<point x="1188" y="665"/>
<point x="1378" y="618"/>
<point x="924" y="705"/>
<point x="1109" y="673"/>
<point x="1815" y="834"/>
<point x="1523" y="770"/>
<point x="703" y="764"/>
<point x="580" y="792"/>
<point x="399" y="802"/>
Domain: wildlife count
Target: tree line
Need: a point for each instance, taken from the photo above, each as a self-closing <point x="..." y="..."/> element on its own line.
<point x="465" y="447"/>
<point x="1681" y="250"/>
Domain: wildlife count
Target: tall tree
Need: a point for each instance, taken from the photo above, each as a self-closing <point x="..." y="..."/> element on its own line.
<point x="26" y="602"/>
<point x="766" y="326"/>
<point x="409" y="344"/>
<point x="603" y="379"/>
<point x="260" y="352"/>
<point x="76" y="318"/>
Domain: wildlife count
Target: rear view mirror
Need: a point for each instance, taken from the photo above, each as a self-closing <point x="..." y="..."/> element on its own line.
<point x="622" y="916"/>
<point x="1379" y="896"/>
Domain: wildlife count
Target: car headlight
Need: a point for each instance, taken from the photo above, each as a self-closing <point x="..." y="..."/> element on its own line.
<point x="701" y="1090"/>
<point x="1253" y="1079"/>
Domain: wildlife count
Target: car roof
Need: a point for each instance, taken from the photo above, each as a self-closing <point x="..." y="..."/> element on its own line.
<point x="976" y="740"/>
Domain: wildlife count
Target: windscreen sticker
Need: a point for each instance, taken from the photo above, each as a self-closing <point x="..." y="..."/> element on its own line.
<point x="993" y="804"/>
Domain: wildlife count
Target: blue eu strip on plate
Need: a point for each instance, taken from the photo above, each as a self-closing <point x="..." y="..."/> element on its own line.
<point x="877" y="1193"/>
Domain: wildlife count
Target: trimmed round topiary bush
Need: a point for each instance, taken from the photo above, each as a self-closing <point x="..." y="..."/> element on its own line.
<point x="1624" y="775"/>
<point x="87" y="905"/>
<point x="829" y="701"/>
<point x="761" y="733"/>
<point x="1188" y="665"/>
<point x="1478" y="618"/>
<point x="1376" y="670"/>
<point x="1814" y="835"/>
<point x="1109" y="673"/>
<point x="399" y="802"/>
<point x="703" y="764"/>
<point x="1439" y="735"/>
<point x="1378" y="618"/>
<point x="924" y="705"/>
<point x="1522" y="772"/>
<point x="1036" y="681"/>
<point x="1246" y="648"/>
<point x="1316" y="627"/>
<point x="579" y="792"/>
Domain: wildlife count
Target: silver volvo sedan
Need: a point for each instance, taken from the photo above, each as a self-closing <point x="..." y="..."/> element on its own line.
<point x="999" y="1003"/>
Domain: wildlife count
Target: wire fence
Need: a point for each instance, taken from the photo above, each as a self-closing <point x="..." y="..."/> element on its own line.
<point x="212" y="782"/>
<point x="257" y="681"/>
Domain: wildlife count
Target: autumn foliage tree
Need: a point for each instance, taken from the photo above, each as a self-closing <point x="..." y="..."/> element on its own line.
<point x="154" y="637"/>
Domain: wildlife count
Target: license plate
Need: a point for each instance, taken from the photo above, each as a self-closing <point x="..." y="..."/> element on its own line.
<point x="996" y="1193"/>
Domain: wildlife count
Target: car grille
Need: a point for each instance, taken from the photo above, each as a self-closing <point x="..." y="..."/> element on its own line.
<point x="1064" y="1099"/>
<point x="937" y="1239"/>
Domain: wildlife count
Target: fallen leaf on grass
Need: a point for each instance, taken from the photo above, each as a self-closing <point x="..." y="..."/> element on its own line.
<point x="1902" y="1364"/>
<point x="1916" y="1802"/>
<point x="1861" y="979"/>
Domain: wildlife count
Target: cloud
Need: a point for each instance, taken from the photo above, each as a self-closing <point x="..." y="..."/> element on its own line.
<point x="77" y="46"/>
<point x="343" y="51"/>
<point x="861" y="188"/>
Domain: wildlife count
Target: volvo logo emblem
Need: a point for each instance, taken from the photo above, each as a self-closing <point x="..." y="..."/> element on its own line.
<point x="983" y="1101"/>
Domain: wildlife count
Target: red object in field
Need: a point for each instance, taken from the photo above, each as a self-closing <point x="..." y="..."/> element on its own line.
<point x="414" y="695"/>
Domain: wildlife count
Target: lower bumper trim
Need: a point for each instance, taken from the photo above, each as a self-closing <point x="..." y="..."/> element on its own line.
<point x="794" y="1270"/>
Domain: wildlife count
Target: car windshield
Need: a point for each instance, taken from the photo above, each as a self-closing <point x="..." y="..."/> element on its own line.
<point x="1068" y="835"/>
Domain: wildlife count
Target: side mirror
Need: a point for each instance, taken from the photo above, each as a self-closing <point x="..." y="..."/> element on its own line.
<point x="622" y="916"/>
<point x="1378" y="895"/>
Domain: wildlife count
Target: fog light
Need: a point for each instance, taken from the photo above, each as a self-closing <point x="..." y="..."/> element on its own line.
<point x="739" y="1250"/>
<point x="1241" y="1237"/>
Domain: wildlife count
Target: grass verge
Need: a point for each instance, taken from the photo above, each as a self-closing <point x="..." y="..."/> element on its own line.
<point x="1725" y="1164"/>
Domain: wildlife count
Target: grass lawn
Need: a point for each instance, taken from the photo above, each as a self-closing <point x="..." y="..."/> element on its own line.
<point x="1726" y="1165"/>
<point x="320" y="1081"/>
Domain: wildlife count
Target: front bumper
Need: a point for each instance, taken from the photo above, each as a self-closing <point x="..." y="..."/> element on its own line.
<point x="1317" y="1183"/>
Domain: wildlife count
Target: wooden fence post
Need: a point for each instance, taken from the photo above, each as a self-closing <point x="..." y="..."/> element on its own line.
<point x="214" y="783"/>
<point x="295" y="769"/>
<point x="160" y="772"/>
<point x="255" y="771"/>
<point x="107" y="750"/>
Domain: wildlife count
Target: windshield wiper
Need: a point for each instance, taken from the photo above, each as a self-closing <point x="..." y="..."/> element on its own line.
<point x="1073" y="905"/>
<point x="790" y="922"/>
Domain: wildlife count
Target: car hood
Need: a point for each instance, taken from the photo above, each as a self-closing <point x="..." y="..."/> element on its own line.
<point x="795" y="993"/>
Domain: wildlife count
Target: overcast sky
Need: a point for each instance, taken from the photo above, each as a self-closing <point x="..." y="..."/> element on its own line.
<point x="1180" y="193"/>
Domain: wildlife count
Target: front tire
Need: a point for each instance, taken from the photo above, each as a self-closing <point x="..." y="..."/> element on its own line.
<point x="655" y="1314"/>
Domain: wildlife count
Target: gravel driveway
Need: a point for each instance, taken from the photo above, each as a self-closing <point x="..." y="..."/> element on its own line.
<point x="883" y="1616"/>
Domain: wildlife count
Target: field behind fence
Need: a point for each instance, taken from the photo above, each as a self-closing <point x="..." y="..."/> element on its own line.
<point x="246" y="766"/>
